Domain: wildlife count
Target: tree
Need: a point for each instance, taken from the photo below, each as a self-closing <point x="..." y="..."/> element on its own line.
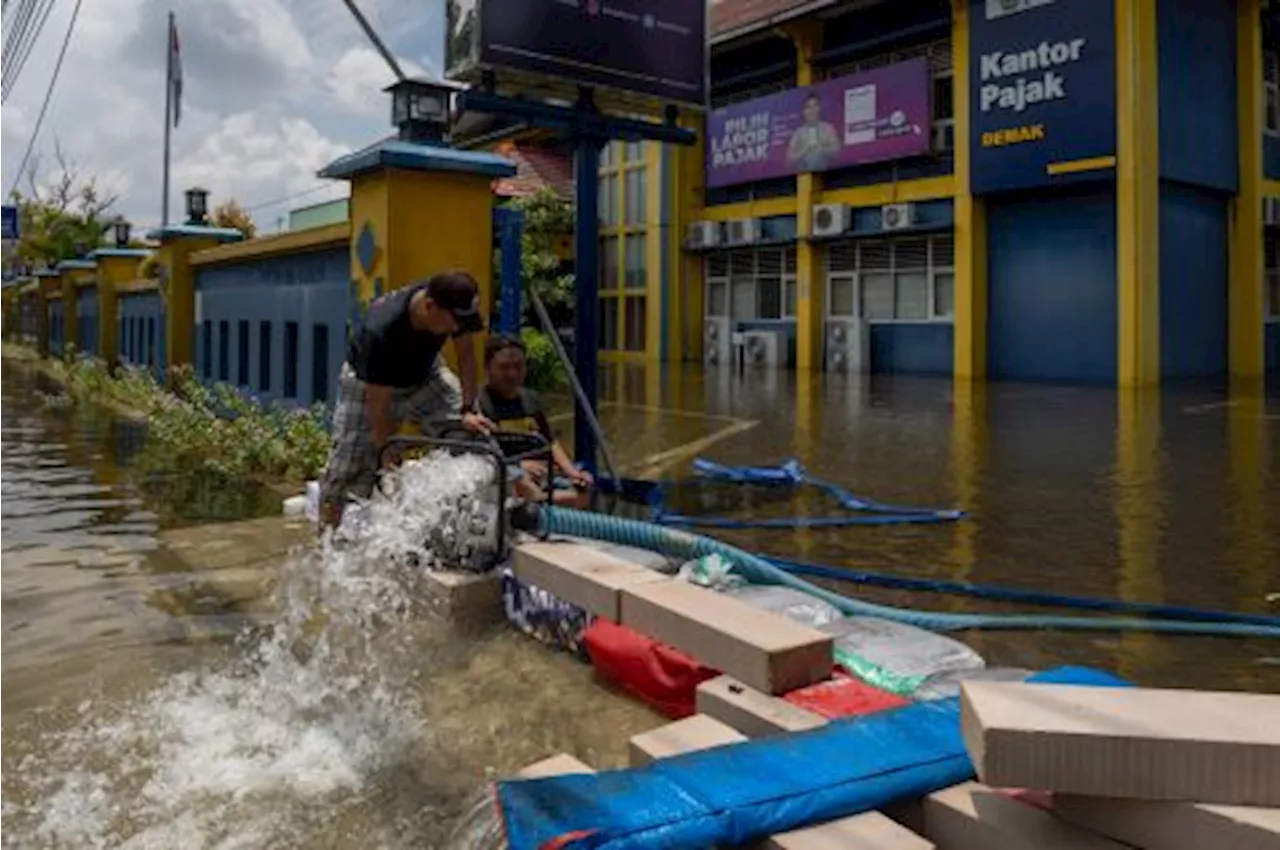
<point x="548" y="219"/>
<point x="61" y="218"/>
<point x="231" y="214"/>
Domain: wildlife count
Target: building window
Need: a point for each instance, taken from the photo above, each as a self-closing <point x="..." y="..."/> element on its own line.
<point x="242" y="353"/>
<point x="1271" y="89"/>
<point x="635" y="315"/>
<point x="624" y="269"/>
<point x="264" y="357"/>
<point x="902" y="279"/>
<point x="754" y="283"/>
<point x="940" y="68"/>
<point x="609" y="263"/>
<point x="634" y="261"/>
<point x="636" y="193"/>
<point x="607" y="331"/>
<point x="290" y="359"/>
<point x="319" y="363"/>
<point x="1272" y="276"/>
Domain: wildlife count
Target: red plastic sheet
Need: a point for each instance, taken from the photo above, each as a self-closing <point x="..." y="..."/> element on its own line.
<point x="659" y="676"/>
<point x="843" y="696"/>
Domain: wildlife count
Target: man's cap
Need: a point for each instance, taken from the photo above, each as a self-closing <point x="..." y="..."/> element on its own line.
<point x="458" y="293"/>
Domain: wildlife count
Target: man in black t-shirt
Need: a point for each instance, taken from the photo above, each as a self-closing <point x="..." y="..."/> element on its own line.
<point x="511" y="406"/>
<point x="393" y="375"/>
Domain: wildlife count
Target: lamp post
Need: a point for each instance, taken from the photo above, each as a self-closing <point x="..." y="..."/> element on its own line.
<point x="420" y="109"/>
<point x="197" y="205"/>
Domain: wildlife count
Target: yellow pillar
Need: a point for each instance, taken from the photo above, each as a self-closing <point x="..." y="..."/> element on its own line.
<point x="69" y="270"/>
<point x="970" y="337"/>
<point x="656" y="224"/>
<point x="1245" y="298"/>
<point x="809" y="286"/>
<point x="417" y="210"/>
<point x="48" y="286"/>
<point x="686" y="295"/>
<point x="1137" y="194"/>
<point x="178" y="285"/>
<point x="115" y="266"/>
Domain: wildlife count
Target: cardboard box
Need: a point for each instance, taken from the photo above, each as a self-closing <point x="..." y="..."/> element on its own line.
<point x="691" y="734"/>
<point x="761" y="649"/>
<point x="751" y="712"/>
<point x="974" y="817"/>
<point x="561" y="765"/>
<point x="1134" y="743"/>
<point x="581" y="575"/>
<point x="1173" y="826"/>
<point x="867" y="831"/>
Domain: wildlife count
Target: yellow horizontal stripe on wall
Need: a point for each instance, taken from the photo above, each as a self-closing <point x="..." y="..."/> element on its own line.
<point x="1075" y="166"/>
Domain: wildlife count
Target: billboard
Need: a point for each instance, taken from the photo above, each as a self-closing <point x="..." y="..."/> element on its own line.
<point x="1042" y="79"/>
<point x="871" y="116"/>
<point x="644" y="51"/>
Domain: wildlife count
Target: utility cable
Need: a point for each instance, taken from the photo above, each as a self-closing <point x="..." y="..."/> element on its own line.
<point x="17" y="32"/>
<point x="48" y="95"/>
<point x="28" y="48"/>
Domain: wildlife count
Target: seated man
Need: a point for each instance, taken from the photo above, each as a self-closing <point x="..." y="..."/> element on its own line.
<point x="393" y="374"/>
<point x="511" y="406"/>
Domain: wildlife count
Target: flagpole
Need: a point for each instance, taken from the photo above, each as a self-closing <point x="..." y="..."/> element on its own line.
<point x="168" y="118"/>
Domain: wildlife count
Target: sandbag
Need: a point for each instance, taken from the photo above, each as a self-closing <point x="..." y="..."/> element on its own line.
<point x="895" y="656"/>
<point x="787" y="602"/>
<point x="740" y="792"/>
<point x="658" y="675"/>
<point x="544" y="616"/>
<point x="843" y="696"/>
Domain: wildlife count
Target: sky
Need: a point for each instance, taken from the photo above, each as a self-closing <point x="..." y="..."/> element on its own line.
<point x="273" y="90"/>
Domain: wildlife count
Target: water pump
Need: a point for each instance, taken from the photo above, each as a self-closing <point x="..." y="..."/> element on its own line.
<point x="479" y="538"/>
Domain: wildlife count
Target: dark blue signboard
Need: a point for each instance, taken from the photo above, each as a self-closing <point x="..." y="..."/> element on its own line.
<point x="9" y="224"/>
<point x="1042" y="83"/>
<point x="653" y="49"/>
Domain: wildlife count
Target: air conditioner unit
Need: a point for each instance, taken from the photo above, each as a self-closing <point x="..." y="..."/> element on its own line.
<point x="1271" y="212"/>
<point x="715" y="341"/>
<point x="829" y="220"/>
<point x="742" y="231"/>
<point x="897" y="216"/>
<point x="848" y="345"/>
<point x="703" y="234"/>
<point x="764" y="348"/>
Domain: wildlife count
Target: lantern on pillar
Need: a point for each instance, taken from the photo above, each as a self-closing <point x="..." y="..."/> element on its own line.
<point x="120" y="229"/>
<point x="197" y="205"/>
<point x="420" y="109"/>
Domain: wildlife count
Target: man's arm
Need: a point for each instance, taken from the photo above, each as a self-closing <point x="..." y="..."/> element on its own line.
<point x="465" y="346"/>
<point x="377" y="407"/>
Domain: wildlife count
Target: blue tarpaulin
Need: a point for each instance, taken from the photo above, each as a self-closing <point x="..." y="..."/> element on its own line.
<point x="741" y="792"/>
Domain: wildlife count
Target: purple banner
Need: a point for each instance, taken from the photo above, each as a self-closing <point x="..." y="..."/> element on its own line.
<point x="872" y="116"/>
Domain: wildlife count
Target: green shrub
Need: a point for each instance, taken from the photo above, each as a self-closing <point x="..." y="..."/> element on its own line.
<point x="545" y="371"/>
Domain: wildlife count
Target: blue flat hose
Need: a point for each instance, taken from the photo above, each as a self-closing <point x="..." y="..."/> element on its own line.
<point x="682" y="544"/>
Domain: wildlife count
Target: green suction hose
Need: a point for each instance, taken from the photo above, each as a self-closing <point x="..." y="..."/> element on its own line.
<point x="682" y="544"/>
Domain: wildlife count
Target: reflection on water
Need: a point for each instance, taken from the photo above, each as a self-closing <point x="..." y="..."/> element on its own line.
<point x="134" y="718"/>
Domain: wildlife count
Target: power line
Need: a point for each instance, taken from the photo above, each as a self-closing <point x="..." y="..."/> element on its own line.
<point x="26" y="49"/>
<point x="48" y="95"/>
<point x="18" y="30"/>
<point x="277" y="201"/>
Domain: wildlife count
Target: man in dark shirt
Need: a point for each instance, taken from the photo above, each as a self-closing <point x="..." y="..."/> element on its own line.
<point x="511" y="406"/>
<point x="393" y="375"/>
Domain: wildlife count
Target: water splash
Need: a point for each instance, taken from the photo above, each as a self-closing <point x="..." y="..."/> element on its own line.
<point x="281" y="741"/>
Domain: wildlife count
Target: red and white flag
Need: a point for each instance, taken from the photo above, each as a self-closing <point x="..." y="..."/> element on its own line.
<point x="175" y="71"/>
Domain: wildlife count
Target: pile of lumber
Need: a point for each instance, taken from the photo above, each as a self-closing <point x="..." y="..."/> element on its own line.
<point x="1123" y="767"/>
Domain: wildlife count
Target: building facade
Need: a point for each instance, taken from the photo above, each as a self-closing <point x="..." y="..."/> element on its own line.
<point x="1047" y="190"/>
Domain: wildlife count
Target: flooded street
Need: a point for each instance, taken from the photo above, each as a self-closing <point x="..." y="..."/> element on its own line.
<point x="155" y="696"/>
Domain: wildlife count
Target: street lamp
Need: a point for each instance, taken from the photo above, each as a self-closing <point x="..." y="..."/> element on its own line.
<point x="197" y="205"/>
<point x="420" y="109"/>
<point x="120" y="229"/>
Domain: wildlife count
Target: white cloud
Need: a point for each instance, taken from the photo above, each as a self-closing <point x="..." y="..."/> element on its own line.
<point x="362" y="71"/>
<point x="273" y="90"/>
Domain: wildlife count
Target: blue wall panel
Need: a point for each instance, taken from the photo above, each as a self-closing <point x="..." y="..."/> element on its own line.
<point x="87" y="320"/>
<point x="284" y="300"/>
<point x="140" y="332"/>
<point x="57" y="327"/>
<point x="1052" y="287"/>
<point x="1271" y="157"/>
<point x="924" y="348"/>
<point x="1197" y="66"/>
<point x="1193" y="283"/>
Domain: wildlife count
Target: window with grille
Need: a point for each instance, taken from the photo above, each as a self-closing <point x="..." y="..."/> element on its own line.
<point x="942" y="72"/>
<point x="901" y="279"/>
<point x="751" y="284"/>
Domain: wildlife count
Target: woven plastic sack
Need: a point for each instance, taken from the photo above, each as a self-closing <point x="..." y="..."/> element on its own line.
<point x="544" y="616"/>
<point x="895" y="656"/>
<point x="843" y="696"/>
<point x="658" y="675"/>
<point x="712" y="571"/>
<point x="947" y="684"/>
<point x="789" y="603"/>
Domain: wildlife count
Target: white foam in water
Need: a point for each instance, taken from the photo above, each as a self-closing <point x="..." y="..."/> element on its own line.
<point x="265" y="751"/>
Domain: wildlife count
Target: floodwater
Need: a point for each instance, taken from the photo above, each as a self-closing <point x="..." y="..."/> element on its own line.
<point x="155" y="695"/>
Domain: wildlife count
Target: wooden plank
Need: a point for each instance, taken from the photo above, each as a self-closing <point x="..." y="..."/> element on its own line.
<point x="972" y="816"/>
<point x="581" y="575"/>
<point x="751" y="712"/>
<point x="1173" y="826"/>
